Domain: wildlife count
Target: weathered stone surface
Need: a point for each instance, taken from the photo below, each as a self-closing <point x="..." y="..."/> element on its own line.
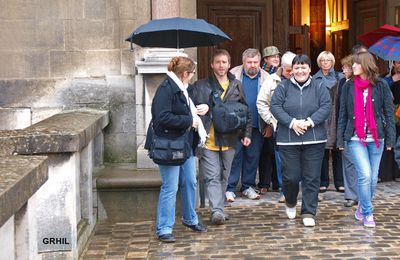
<point x="67" y="64"/>
<point x="40" y="114"/>
<point x="87" y="92"/>
<point x="50" y="34"/>
<point x="10" y="40"/>
<point x="20" y="178"/>
<point x="27" y="64"/>
<point x="101" y="63"/>
<point x="119" y="147"/>
<point x="14" y="118"/>
<point x="126" y="27"/>
<point x="14" y="93"/>
<point x="95" y="9"/>
<point x="18" y="9"/>
<point x="128" y="8"/>
<point x="65" y="132"/>
<point x="127" y="61"/>
<point x="95" y="34"/>
<point x="261" y="230"/>
<point x="55" y="9"/>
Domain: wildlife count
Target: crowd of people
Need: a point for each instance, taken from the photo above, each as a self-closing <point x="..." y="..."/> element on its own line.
<point x="296" y="124"/>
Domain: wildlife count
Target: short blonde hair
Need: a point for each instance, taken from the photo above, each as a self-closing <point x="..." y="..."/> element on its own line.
<point x="325" y="54"/>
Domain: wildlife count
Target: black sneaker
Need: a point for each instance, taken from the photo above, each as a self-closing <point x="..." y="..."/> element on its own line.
<point x="167" y="238"/>
<point x="197" y="228"/>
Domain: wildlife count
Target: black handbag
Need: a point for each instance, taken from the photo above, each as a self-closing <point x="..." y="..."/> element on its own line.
<point x="167" y="151"/>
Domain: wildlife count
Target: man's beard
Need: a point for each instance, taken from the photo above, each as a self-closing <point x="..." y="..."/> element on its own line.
<point x="252" y="71"/>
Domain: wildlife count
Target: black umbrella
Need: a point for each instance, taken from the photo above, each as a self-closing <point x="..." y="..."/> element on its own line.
<point x="177" y="33"/>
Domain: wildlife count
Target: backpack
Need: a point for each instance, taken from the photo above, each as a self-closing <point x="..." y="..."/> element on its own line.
<point x="227" y="116"/>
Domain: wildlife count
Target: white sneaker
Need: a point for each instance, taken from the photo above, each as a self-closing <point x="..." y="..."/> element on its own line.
<point x="251" y="194"/>
<point x="230" y="196"/>
<point x="291" y="212"/>
<point x="308" y="222"/>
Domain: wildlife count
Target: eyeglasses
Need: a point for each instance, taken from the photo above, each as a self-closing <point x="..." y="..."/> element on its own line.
<point x="325" y="60"/>
<point x="194" y="72"/>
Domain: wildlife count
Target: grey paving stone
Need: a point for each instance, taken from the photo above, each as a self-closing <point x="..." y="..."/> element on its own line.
<point x="260" y="230"/>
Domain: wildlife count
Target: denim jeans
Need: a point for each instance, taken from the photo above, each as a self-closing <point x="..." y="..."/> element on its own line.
<point x="183" y="176"/>
<point x="245" y="163"/>
<point x="278" y="168"/>
<point x="366" y="159"/>
<point x="302" y="163"/>
<point x="349" y="175"/>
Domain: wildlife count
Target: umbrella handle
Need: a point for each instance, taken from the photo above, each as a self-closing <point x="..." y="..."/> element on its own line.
<point x="131" y="47"/>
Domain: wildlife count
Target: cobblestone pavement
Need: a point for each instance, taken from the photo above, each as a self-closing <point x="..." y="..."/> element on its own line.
<point x="260" y="230"/>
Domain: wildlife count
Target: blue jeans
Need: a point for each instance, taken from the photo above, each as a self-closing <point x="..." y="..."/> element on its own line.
<point x="366" y="159"/>
<point x="278" y="168"/>
<point x="172" y="176"/>
<point x="245" y="163"/>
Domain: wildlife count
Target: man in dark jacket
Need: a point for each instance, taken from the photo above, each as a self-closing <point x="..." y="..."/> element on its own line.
<point x="217" y="155"/>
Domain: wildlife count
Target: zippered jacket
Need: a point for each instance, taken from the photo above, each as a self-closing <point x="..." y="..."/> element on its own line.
<point x="200" y="92"/>
<point x="310" y="102"/>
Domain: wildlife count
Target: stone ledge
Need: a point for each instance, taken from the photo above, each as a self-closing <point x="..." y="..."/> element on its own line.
<point x="20" y="178"/>
<point x="126" y="176"/>
<point x="69" y="131"/>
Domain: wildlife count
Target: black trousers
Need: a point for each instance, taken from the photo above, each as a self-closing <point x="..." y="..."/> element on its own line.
<point x="267" y="165"/>
<point x="302" y="163"/>
<point x="337" y="169"/>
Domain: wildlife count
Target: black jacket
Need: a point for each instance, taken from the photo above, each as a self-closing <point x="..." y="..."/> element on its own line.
<point x="200" y="93"/>
<point x="170" y="112"/>
<point x="383" y="112"/>
<point x="290" y="102"/>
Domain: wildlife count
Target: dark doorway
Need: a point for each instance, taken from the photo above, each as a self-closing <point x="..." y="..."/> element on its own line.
<point x="249" y="24"/>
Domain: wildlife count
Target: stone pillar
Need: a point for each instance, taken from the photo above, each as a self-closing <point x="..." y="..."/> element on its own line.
<point x="164" y="9"/>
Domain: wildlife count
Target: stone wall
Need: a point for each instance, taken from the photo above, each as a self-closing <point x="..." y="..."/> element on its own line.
<point x="66" y="54"/>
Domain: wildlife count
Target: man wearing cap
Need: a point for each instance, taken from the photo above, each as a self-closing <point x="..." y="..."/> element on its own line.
<point x="271" y="59"/>
<point x="247" y="155"/>
<point x="267" y="170"/>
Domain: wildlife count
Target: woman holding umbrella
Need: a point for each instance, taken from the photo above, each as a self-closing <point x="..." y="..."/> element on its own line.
<point x="366" y="122"/>
<point x="173" y="113"/>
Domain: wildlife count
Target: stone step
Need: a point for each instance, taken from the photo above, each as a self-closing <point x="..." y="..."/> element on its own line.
<point x="125" y="193"/>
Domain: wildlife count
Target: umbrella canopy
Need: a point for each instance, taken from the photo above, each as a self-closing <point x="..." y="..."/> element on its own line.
<point x="177" y="33"/>
<point x="371" y="37"/>
<point x="387" y="48"/>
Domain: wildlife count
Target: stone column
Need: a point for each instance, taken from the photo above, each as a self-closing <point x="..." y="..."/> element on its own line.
<point x="164" y="8"/>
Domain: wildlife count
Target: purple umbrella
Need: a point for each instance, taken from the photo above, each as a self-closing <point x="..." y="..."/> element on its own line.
<point x="387" y="48"/>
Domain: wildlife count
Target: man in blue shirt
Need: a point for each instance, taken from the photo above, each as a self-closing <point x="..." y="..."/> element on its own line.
<point x="245" y="162"/>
